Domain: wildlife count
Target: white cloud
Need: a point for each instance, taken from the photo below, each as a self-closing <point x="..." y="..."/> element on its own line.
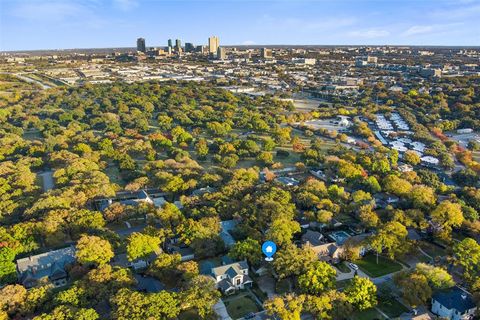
<point x="414" y="30"/>
<point x="430" y="29"/>
<point x="369" y="33"/>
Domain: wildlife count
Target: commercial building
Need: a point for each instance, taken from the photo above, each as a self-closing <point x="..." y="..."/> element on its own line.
<point x="170" y="43"/>
<point x="189" y="47"/>
<point x="178" y="45"/>
<point x="141" y="45"/>
<point x="266" y="53"/>
<point x="213" y="44"/>
<point x="221" y="54"/>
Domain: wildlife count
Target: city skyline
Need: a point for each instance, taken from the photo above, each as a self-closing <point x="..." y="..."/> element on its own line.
<point x="55" y="24"/>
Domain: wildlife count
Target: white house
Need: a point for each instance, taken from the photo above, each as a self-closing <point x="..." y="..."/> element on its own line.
<point x="453" y="304"/>
<point x="232" y="277"/>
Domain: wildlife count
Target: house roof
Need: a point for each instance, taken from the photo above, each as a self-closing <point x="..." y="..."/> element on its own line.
<point x="313" y="237"/>
<point x="413" y="234"/>
<point x="148" y="284"/>
<point x="454" y="298"/>
<point x="236" y="267"/>
<point x="47" y="260"/>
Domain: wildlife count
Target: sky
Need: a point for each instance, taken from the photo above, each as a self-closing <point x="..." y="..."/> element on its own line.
<point x="67" y="24"/>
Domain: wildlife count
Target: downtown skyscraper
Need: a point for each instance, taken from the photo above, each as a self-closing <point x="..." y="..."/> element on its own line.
<point x="213" y="44"/>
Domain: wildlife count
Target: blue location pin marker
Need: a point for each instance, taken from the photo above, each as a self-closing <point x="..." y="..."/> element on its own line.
<point x="269" y="248"/>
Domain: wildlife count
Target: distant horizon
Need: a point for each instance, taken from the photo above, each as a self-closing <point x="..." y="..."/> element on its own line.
<point x="257" y="46"/>
<point x="57" y="24"/>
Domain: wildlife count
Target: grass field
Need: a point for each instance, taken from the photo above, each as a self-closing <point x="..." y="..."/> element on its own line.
<point x="342" y="283"/>
<point x="240" y="306"/>
<point x="370" y="314"/>
<point x="392" y="308"/>
<point x="432" y="249"/>
<point x="342" y="267"/>
<point x="114" y="175"/>
<point x="385" y="266"/>
<point x="411" y="259"/>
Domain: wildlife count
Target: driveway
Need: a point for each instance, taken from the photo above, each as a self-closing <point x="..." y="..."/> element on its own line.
<point x="267" y="285"/>
<point x="221" y="310"/>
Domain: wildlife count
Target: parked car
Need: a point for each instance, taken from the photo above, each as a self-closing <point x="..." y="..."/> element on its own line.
<point x="353" y="266"/>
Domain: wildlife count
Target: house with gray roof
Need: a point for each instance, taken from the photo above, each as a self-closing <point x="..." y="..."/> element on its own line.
<point x="453" y="304"/>
<point x="225" y="227"/>
<point x="49" y="266"/>
<point x="231" y="277"/>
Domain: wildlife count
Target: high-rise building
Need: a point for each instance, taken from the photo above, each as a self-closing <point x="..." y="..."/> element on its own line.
<point x="266" y="53"/>
<point x="213" y="44"/>
<point x="221" y="54"/>
<point x="189" y="47"/>
<point x="170" y="43"/>
<point x="141" y="45"/>
<point x="178" y="45"/>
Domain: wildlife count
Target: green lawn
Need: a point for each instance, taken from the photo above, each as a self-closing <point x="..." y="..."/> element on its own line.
<point x="342" y="283"/>
<point x="114" y="175"/>
<point x="411" y="259"/>
<point x="260" y="294"/>
<point x="385" y="266"/>
<point x="432" y="249"/>
<point x="392" y="307"/>
<point x="370" y="314"/>
<point x="342" y="267"/>
<point x="240" y="306"/>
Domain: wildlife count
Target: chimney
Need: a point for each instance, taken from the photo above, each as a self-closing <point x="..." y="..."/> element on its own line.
<point x="464" y="296"/>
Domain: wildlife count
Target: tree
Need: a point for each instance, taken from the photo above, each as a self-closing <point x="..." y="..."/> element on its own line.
<point x="391" y="237"/>
<point x="188" y="270"/>
<point x="291" y="260"/>
<point x="7" y="266"/>
<point x="12" y="297"/>
<point x="288" y="307"/>
<point x="248" y="249"/>
<point x="200" y="294"/>
<point x="396" y="185"/>
<point x="447" y="215"/>
<point x="128" y="304"/>
<point x="319" y="306"/>
<point x="69" y="313"/>
<point x="265" y="157"/>
<point x="361" y="293"/>
<point x="202" y="148"/>
<point x="411" y="157"/>
<point x="467" y="255"/>
<point x="318" y="278"/>
<point x="163" y="266"/>
<point x="170" y="216"/>
<point x="93" y="249"/>
<point x="368" y="217"/>
<point x="415" y="288"/>
<point x="140" y="246"/>
<point x="282" y="230"/>
<point x="422" y="197"/>
<point x="437" y="277"/>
